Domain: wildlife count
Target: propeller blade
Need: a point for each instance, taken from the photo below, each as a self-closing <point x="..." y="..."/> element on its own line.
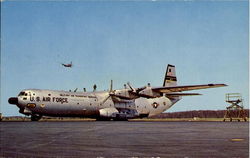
<point x="75" y="89"/>
<point x="131" y="87"/>
<point x="111" y="91"/>
<point x="106" y="99"/>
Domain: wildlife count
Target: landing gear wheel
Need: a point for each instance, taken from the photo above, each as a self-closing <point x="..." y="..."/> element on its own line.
<point x="35" y="117"/>
<point x="103" y="119"/>
<point x="120" y="119"/>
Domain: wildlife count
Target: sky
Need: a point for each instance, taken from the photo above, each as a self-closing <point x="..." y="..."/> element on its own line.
<point x="125" y="41"/>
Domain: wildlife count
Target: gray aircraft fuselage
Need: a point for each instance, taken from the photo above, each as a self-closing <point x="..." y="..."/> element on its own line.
<point x="121" y="104"/>
<point x="87" y="104"/>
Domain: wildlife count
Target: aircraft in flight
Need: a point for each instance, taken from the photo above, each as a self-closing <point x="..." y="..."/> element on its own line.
<point x="120" y="104"/>
<point x="68" y="65"/>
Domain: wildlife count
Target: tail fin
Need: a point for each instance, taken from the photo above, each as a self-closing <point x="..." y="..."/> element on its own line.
<point x="170" y="77"/>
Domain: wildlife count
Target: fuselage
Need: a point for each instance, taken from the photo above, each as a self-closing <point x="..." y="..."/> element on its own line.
<point x="87" y="104"/>
<point x="119" y="104"/>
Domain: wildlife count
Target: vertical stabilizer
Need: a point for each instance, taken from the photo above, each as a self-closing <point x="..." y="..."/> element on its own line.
<point x="170" y="76"/>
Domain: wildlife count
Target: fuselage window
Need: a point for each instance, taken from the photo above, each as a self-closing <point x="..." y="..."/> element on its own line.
<point x="25" y="94"/>
<point x="33" y="93"/>
<point x="49" y="94"/>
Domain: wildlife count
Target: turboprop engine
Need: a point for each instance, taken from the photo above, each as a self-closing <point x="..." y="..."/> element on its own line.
<point x="148" y="93"/>
<point x="118" y="113"/>
<point x="133" y="93"/>
<point x="125" y="94"/>
<point x="108" y="112"/>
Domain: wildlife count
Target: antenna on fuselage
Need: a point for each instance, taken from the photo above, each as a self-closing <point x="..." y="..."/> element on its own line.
<point x="111" y="85"/>
<point x="94" y="88"/>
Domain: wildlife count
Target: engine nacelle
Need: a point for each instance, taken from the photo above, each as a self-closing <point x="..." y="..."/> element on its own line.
<point x="108" y="112"/>
<point x="125" y="94"/>
<point x="121" y="114"/>
<point x="148" y="93"/>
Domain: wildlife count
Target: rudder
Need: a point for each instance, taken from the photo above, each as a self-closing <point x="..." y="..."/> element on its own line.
<point x="170" y="76"/>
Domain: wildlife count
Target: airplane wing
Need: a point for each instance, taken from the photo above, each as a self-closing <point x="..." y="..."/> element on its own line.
<point x="185" y="88"/>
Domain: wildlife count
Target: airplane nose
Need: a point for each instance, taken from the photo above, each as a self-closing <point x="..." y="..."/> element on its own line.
<point x="13" y="100"/>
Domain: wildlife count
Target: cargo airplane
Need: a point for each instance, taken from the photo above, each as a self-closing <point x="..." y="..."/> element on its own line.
<point x="121" y="104"/>
<point x="68" y="65"/>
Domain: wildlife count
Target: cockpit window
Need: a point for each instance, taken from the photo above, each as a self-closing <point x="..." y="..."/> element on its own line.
<point x="22" y="93"/>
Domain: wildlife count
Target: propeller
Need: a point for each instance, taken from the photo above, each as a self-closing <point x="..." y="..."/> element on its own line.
<point x="135" y="91"/>
<point x="111" y="91"/>
<point x="132" y="88"/>
<point x="75" y="89"/>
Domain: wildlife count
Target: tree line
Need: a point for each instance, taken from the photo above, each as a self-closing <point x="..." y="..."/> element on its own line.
<point x="199" y="113"/>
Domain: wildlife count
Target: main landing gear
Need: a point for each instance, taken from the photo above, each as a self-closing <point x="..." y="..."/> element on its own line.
<point x="35" y="117"/>
<point x="109" y="119"/>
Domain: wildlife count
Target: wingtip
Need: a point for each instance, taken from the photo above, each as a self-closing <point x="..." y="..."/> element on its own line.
<point x="222" y="85"/>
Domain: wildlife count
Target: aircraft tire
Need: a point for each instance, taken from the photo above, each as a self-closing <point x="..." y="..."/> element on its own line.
<point x="120" y="119"/>
<point x="35" y="117"/>
<point x="103" y="119"/>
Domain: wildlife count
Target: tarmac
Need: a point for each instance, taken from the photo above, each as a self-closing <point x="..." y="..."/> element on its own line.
<point x="124" y="139"/>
